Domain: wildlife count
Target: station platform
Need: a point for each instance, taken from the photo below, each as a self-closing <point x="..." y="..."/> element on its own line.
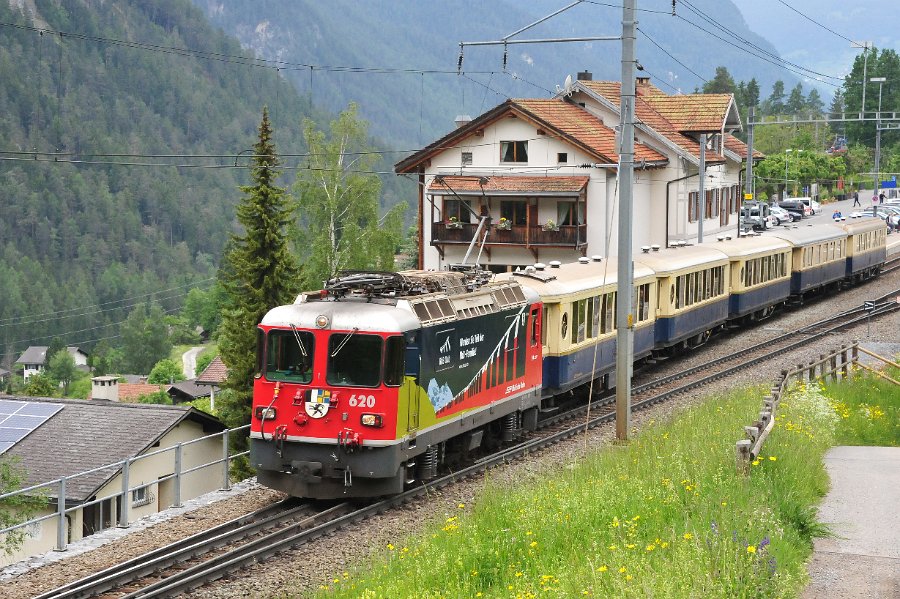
<point x="861" y="560"/>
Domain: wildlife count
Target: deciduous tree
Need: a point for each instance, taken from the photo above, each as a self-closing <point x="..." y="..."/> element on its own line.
<point x="338" y="197"/>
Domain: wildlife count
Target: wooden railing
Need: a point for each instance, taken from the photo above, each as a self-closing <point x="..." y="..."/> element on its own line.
<point x="835" y="365"/>
<point x="565" y="236"/>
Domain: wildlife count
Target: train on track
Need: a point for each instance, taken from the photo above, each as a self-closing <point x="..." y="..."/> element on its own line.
<point x="374" y="382"/>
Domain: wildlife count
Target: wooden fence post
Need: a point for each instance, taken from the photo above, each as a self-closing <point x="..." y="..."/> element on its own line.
<point x="832" y="364"/>
<point x="844" y="369"/>
<point x="742" y="451"/>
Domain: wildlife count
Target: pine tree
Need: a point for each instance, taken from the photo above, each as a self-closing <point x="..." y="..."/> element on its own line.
<point x="796" y="102"/>
<point x="722" y="83"/>
<point x="258" y="273"/>
<point x="752" y="96"/>
<point x="776" y="100"/>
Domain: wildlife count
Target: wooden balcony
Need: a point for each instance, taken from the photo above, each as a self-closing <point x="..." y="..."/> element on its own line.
<point x="568" y="236"/>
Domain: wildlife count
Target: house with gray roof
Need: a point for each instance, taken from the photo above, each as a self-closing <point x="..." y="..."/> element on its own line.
<point x="78" y="436"/>
<point x="33" y="358"/>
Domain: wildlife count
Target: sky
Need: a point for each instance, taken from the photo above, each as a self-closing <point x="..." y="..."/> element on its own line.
<point x="812" y="45"/>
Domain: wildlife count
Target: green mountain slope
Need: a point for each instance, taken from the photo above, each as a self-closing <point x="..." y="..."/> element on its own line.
<point x="93" y="121"/>
<point x="416" y="99"/>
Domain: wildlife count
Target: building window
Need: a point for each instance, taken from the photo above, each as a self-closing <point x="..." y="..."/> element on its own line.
<point x="567" y="214"/>
<point x="515" y="211"/>
<point x="140" y="496"/>
<point x="458" y="209"/>
<point x="513" y="151"/>
<point x="466" y="159"/>
<point x="562" y="158"/>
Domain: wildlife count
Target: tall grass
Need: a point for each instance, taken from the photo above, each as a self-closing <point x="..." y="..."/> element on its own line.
<point x="869" y="409"/>
<point x="665" y="516"/>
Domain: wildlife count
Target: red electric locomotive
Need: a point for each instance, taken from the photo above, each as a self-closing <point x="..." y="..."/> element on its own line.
<point x="370" y="384"/>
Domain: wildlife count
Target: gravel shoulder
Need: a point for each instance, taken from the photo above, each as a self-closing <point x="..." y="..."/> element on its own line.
<point x="301" y="571"/>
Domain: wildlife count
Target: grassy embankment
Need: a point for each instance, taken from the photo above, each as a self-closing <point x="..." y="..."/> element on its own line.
<point x="665" y="516"/>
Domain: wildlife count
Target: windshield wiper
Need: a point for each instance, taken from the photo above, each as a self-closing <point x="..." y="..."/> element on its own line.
<point x="299" y="341"/>
<point x="344" y="342"/>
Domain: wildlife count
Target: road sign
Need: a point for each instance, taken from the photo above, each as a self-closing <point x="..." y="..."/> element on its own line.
<point x="748" y="196"/>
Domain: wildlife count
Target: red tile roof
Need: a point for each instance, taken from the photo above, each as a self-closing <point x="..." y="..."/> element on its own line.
<point x="555" y="117"/>
<point x="214" y="374"/>
<point x="518" y="184"/>
<point x="578" y="124"/>
<point x="649" y="100"/>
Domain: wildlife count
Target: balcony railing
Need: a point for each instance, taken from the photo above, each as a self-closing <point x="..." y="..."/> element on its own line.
<point x="523" y="235"/>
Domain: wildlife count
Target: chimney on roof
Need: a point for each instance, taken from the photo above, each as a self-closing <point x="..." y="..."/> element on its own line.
<point x="642" y="80"/>
<point x="585" y="76"/>
<point x="105" y="387"/>
<point x="462" y="120"/>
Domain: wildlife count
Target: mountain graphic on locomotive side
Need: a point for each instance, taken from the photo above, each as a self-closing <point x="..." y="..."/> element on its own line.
<point x="374" y="382"/>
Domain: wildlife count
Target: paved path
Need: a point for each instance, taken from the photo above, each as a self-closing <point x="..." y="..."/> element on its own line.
<point x="862" y="559"/>
<point x="189" y="362"/>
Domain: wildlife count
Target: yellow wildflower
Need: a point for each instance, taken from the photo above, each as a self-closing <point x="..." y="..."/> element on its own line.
<point x="751" y="549"/>
<point x="688" y="536"/>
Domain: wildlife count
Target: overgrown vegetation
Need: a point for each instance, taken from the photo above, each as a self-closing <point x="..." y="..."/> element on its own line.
<point x="665" y="516"/>
<point x="869" y="410"/>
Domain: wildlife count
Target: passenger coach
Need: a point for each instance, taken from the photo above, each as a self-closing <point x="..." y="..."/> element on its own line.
<point x="579" y="303"/>
<point x="760" y="275"/>
<point x="692" y="290"/>
<point x="866" y="247"/>
<point x="818" y="258"/>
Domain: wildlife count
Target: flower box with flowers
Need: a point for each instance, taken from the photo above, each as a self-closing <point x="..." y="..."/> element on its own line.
<point x="503" y="224"/>
<point x="454" y="223"/>
<point x="551" y="226"/>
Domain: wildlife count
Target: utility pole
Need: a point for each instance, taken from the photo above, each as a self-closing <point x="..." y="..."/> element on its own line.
<point x="865" y="46"/>
<point x="748" y="183"/>
<point x="880" y="81"/>
<point x="701" y="193"/>
<point x="625" y="286"/>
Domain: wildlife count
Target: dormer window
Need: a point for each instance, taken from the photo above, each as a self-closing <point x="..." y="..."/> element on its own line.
<point x="466" y="159"/>
<point x="514" y="151"/>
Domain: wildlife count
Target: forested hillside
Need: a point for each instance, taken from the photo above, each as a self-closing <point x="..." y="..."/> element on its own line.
<point x="398" y="58"/>
<point x="120" y="126"/>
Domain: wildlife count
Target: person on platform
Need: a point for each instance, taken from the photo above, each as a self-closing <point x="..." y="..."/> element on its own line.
<point x="856" y="199"/>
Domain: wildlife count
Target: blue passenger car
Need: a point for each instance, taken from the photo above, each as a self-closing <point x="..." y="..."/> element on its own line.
<point x="818" y="258"/>
<point x="579" y="304"/>
<point x="693" y="283"/>
<point x="760" y="275"/>
<point x="866" y="247"/>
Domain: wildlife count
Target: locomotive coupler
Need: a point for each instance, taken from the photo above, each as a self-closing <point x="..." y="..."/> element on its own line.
<point x="279" y="436"/>
<point x="348" y="440"/>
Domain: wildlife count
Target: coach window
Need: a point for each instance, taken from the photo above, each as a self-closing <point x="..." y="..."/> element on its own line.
<point x="354" y="360"/>
<point x="394" y="351"/>
<point x="544" y="324"/>
<point x="595" y="315"/>
<point x="289" y="356"/>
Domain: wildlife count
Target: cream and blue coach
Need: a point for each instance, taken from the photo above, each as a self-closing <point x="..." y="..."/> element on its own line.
<point x="693" y="286"/>
<point x="866" y="247"/>
<point x="760" y="275"/>
<point x="579" y="318"/>
<point x="818" y="258"/>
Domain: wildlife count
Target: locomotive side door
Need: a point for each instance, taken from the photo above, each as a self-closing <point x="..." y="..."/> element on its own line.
<point x="414" y="387"/>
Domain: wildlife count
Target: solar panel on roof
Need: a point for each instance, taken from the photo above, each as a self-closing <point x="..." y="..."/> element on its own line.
<point x="19" y="418"/>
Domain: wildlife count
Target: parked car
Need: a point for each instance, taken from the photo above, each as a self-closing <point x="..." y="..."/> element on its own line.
<point x="756" y="215"/>
<point x="814" y="206"/>
<point x="796" y="207"/>
<point x="781" y="215"/>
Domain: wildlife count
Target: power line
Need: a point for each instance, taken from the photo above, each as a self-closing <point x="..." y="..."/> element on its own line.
<point x="651" y="40"/>
<point x="762" y="54"/>
<point x="810" y="19"/>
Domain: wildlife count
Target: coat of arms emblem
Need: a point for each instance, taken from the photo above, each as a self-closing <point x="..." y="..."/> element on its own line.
<point x="318" y="403"/>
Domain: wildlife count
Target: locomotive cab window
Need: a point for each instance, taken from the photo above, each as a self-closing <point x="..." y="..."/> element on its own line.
<point x="394" y="361"/>
<point x="289" y="356"/>
<point x="354" y="360"/>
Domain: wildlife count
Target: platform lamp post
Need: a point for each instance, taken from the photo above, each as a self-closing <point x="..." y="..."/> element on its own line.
<point x="880" y="81"/>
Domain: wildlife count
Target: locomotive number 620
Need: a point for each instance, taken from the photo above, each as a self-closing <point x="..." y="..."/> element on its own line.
<point x="362" y="401"/>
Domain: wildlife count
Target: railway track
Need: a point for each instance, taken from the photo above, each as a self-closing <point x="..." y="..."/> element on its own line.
<point x="190" y="563"/>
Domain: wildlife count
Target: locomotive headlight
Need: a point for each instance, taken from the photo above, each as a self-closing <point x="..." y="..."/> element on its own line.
<point x="265" y="413"/>
<point x="375" y="420"/>
<point x="321" y="321"/>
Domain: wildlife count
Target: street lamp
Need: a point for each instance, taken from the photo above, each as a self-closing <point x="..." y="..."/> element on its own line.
<point x="880" y="81"/>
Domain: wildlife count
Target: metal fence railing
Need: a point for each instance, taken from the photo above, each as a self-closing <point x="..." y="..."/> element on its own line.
<point x="178" y="473"/>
